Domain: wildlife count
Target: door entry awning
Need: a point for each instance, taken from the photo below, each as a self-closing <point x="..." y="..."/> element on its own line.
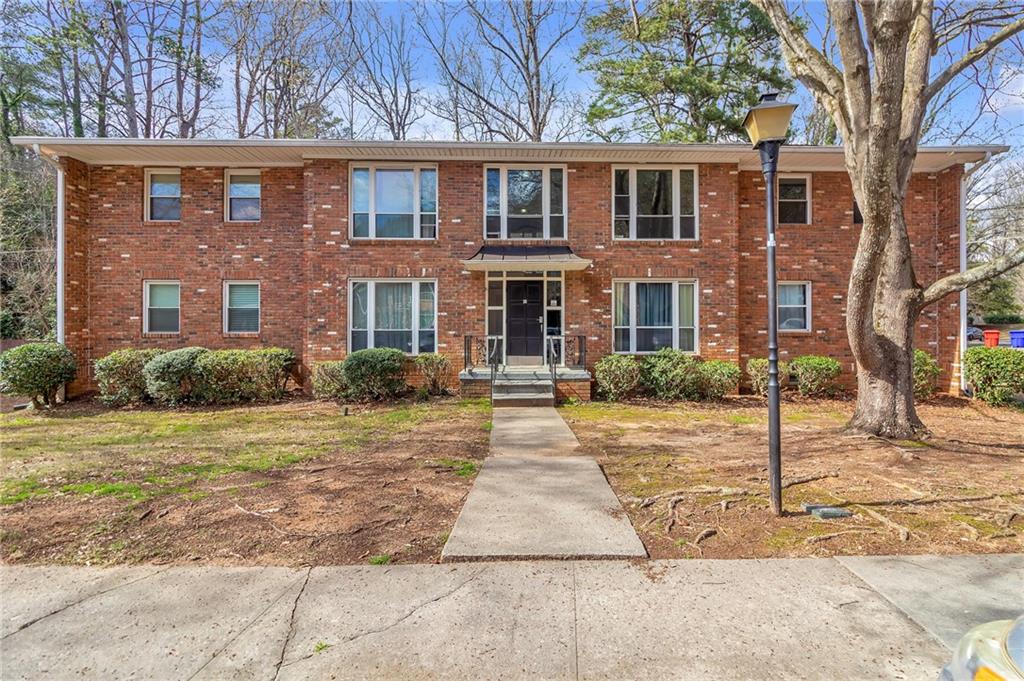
<point x="500" y="258"/>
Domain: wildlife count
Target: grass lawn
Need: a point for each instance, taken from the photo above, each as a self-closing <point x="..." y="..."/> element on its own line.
<point x="295" y="483"/>
<point x="693" y="478"/>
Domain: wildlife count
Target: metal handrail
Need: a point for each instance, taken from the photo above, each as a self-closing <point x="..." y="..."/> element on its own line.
<point x="553" y="363"/>
<point x="492" y="360"/>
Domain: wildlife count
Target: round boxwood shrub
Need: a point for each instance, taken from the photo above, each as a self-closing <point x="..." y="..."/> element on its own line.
<point x="329" y="381"/>
<point x="815" y="374"/>
<point x="119" y="376"/>
<point x="375" y="373"/>
<point x="170" y="376"/>
<point x="436" y="368"/>
<point x="995" y="374"/>
<point x="671" y="375"/>
<point x="37" y="370"/>
<point x="618" y="376"/>
<point x="757" y="372"/>
<point x="231" y="376"/>
<point x="926" y="371"/>
<point x="717" y="379"/>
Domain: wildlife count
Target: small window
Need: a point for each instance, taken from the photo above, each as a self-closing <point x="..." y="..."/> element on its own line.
<point x="163" y="194"/>
<point x="393" y="202"/>
<point x="393" y="314"/>
<point x="243" y="195"/>
<point x="241" y="307"/>
<point x="654" y="203"/>
<point x="162" y="303"/>
<point x="794" y="200"/>
<point x="651" y="315"/>
<point x="525" y="202"/>
<point x="794" y="306"/>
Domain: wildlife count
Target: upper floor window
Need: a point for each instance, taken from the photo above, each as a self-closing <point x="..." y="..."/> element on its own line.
<point x="794" y="306"/>
<point x="398" y="314"/>
<point x="162" y="306"/>
<point x="794" y="199"/>
<point x="163" y="194"/>
<point x="525" y="202"/>
<point x="243" y="196"/>
<point x="241" y="307"/>
<point x="651" y="315"/>
<point x="655" y="203"/>
<point x="394" y="202"/>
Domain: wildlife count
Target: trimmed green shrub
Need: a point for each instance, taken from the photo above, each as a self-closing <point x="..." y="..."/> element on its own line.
<point x="375" y="373"/>
<point x="1004" y="319"/>
<point x="717" y="378"/>
<point x="926" y="370"/>
<point x="757" y="372"/>
<point x="231" y="376"/>
<point x="329" y="381"/>
<point x="170" y="376"/>
<point x="995" y="374"/>
<point x="670" y="375"/>
<point x="37" y="370"/>
<point x="436" y="368"/>
<point x="617" y="376"/>
<point x="815" y="375"/>
<point x="120" y="378"/>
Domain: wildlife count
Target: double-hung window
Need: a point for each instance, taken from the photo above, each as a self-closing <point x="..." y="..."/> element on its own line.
<point x="525" y="202"/>
<point x="242" y="200"/>
<point x="651" y="315"/>
<point x="394" y="202"/>
<point x="654" y="203"/>
<point x="163" y="194"/>
<point x="393" y="314"/>
<point x="794" y="199"/>
<point x="794" y="306"/>
<point x="241" y="307"/>
<point x="162" y="303"/>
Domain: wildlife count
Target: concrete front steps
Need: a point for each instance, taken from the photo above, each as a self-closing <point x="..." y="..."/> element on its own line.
<point x="523" y="389"/>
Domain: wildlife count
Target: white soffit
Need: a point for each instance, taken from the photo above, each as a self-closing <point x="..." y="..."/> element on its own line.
<point x="270" y="153"/>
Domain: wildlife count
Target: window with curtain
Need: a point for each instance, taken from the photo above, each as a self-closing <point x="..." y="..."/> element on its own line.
<point x="163" y="195"/>
<point x="794" y="306"/>
<point x="525" y="203"/>
<point x="651" y="315"/>
<point x="163" y="306"/>
<point x="654" y="203"/>
<point x="391" y="202"/>
<point x="393" y="314"/>
<point x="242" y="307"/>
<point x="794" y="204"/>
<point x="243" y="187"/>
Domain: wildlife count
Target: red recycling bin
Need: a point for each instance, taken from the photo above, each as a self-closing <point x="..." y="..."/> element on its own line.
<point x="991" y="338"/>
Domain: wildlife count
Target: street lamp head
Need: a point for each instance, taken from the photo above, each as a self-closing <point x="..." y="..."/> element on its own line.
<point x="769" y="120"/>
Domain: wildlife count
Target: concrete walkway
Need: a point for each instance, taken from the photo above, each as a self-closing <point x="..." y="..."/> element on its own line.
<point x="694" y="619"/>
<point x="536" y="497"/>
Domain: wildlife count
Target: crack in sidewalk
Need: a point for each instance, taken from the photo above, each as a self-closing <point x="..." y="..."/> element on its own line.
<point x="291" y="625"/>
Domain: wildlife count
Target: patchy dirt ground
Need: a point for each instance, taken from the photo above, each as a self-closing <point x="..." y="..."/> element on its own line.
<point x="693" y="478"/>
<point x="297" y="483"/>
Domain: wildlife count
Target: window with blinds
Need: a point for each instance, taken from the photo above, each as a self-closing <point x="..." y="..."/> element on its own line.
<point x="241" y="307"/>
<point x="162" y="300"/>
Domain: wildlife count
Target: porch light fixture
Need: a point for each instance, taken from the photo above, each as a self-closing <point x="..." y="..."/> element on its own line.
<point x="766" y="125"/>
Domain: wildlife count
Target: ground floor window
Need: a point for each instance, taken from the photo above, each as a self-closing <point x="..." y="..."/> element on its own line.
<point x="399" y="314"/>
<point x="795" y="306"/>
<point x="651" y="315"/>
<point x="162" y="303"/>
<point x="241" y="306"/>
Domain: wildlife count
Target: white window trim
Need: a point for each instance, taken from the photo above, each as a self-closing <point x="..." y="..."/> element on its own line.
<point x="227" y="191"/>
<point x="778" y="199"/>
<point x="417" y="168"/>
<point x="675" y="314"/>
<point x="145" y="306"/>
<point x="259" y="308"/>
<point x="371" y="300"/>
<point x="545" y="168"/>
<point x="808" y="295"/>
<point x="148" y="173"/>
<point x="676" y="202"/>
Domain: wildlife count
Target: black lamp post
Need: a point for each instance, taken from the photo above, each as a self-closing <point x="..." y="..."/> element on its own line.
<point x="766" y="125"/>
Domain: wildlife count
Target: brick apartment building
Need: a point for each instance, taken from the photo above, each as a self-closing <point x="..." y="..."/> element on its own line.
<point x="526" y="250"/>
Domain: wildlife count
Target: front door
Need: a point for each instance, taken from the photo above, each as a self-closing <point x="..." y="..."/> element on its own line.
<point x="524" y="322"/>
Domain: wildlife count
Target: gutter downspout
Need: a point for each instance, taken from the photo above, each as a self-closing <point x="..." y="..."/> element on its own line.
<point x="53" y="162"/>
<point x="963" y="260"/>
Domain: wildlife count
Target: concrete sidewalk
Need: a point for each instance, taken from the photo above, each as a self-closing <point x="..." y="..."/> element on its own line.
<point x="536" y="497"/>
<point x="696" y="619"/>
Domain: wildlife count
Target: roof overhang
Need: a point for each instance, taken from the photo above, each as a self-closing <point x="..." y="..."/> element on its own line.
<point x="528" y="258"/>
<point x="265" y="153"/>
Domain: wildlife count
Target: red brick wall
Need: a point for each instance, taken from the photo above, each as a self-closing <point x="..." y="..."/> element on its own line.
<point x="302" y="254"/>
